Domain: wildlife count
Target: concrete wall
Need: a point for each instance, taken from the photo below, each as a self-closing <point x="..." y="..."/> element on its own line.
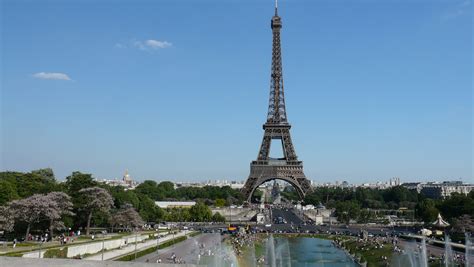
<point x="21" y="262"/>
<point x="242" y="214"/>
<point x="36" y="254"/>
<point x="93" y="248"/>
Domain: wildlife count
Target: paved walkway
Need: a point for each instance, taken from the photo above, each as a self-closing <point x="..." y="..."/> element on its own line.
<point x="108" y="255"/>
<point x="188" y="251"/>
<point x="33" y="245"/>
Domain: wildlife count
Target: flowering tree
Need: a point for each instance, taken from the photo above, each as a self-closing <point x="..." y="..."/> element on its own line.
<point x="59" y="205"/>
<point x="29" y="210"/>
<point x="38" y="207"/>
<point x="128" y="217"/>
<point x="95" y="199"/>
<point x="6" y="219"/>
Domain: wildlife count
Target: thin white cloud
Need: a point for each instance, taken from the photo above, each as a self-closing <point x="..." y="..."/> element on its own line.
<point x="139" y="45"/>
<point x="146" y="45"/>
<point x="52" y="76"/>
<point x="155" y="44"/>
<point x="460" y="9"/>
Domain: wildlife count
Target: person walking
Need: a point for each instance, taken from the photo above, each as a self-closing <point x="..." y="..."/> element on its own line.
<point x="14" y="243"/>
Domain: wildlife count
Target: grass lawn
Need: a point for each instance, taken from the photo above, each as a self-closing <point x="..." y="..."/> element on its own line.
<point x="372" y="255"/>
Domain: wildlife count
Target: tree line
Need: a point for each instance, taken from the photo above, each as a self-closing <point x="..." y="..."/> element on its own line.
<point x="357" y="203"/>
<point x="76" y="206"/>
<point x="37" y="201"/>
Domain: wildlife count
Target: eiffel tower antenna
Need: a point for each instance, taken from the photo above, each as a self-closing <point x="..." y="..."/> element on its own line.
<point x="276" y="7"/>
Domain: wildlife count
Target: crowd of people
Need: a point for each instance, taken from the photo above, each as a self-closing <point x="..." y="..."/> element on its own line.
<point x="241" y="240"/>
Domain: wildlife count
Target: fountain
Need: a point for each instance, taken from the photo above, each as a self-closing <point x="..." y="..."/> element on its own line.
<point x="423" y="254"/>
<point x="415" y="254"/>
<point x="271" y="257"/>
<point x="304" y="251"/>
<point x="218" y="254"/>
<point x="448" y="252"/>
<point x="469" y="249"/>
<point x="283" y="253"/>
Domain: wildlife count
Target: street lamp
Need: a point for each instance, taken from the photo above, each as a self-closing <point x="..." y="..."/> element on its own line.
<point x="103" y="244"/>
<point x="157" y="241"/>
<point x="173" y="236"/>
<point x="39" y="254"/>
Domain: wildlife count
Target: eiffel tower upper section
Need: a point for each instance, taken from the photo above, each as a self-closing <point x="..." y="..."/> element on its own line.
<point x="276" y="106"/>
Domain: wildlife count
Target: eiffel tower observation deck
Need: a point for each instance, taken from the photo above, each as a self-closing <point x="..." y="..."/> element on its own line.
<point x="287" y="168"/>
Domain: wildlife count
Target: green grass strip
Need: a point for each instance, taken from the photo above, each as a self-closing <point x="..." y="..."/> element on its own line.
<point x="131" y="257"/>
<point x="56" y="253"/>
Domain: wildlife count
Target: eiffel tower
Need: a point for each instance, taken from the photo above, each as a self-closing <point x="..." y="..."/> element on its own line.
<point x="288" y="168"/>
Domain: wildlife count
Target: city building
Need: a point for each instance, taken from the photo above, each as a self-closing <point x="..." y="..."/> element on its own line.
<point x="220" y="183"/>
<point x="175" y="204"/>
<point x="445" y="189"/>
<point x="126" y="181"/>
<point x="376" y="185"/>
<point x="413" y="186"/>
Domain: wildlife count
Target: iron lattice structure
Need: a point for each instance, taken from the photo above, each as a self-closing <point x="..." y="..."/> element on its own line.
<point x="288" y="168"/>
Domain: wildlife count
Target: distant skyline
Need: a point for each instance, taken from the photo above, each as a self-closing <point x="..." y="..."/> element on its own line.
<point x="176" y="90"/>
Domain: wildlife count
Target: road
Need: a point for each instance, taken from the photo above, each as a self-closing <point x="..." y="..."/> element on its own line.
<point x="288" y="215"/>
<point x="187" y="250"/>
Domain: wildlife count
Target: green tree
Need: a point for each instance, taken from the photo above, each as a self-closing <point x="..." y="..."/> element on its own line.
<point x="77" y="181"/>
<point x="123" y="197"/>
<point x="347" y="210"/>
<point x="150" y="189"/>
<point x="178" y="215"/>
<point x="46" y="173"/>
<point x="200" y="212"/>
<point x="217" y="217"/>
<point x="220" y="202"/>
<point x="426" y="210"/>
<point x="456" y="205"/>
<point x="148" y="210"/>
<point x="28" y="184"/>
<point x="7" y="192"/>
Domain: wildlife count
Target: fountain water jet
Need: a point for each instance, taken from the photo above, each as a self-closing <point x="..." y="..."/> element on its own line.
<point x="469" y="249"/>
<point x="448" y="252"/>
<point x="423" y="254"/>
<point x="271" y="257"/>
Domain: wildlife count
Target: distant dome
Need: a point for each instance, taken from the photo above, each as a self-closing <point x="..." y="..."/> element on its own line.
<point x="126" y="177"/>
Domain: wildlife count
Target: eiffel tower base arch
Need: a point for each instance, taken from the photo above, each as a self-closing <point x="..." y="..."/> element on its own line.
<point x="259" y="174"/>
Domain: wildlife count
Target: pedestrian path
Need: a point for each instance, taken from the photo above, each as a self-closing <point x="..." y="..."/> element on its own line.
<point x="108" y="255"/>
<point x="25" y="247"/>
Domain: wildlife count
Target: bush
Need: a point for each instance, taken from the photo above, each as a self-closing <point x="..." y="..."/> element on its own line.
<point x="56" y="253"/>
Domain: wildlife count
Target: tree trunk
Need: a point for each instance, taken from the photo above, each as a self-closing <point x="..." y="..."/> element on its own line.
<point x="51" y="228"/>
<point x="27" y="232"/>
<point x="89" y="217"/>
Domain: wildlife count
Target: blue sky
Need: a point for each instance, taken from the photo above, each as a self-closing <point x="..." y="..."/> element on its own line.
<point x="179" y="89"/>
